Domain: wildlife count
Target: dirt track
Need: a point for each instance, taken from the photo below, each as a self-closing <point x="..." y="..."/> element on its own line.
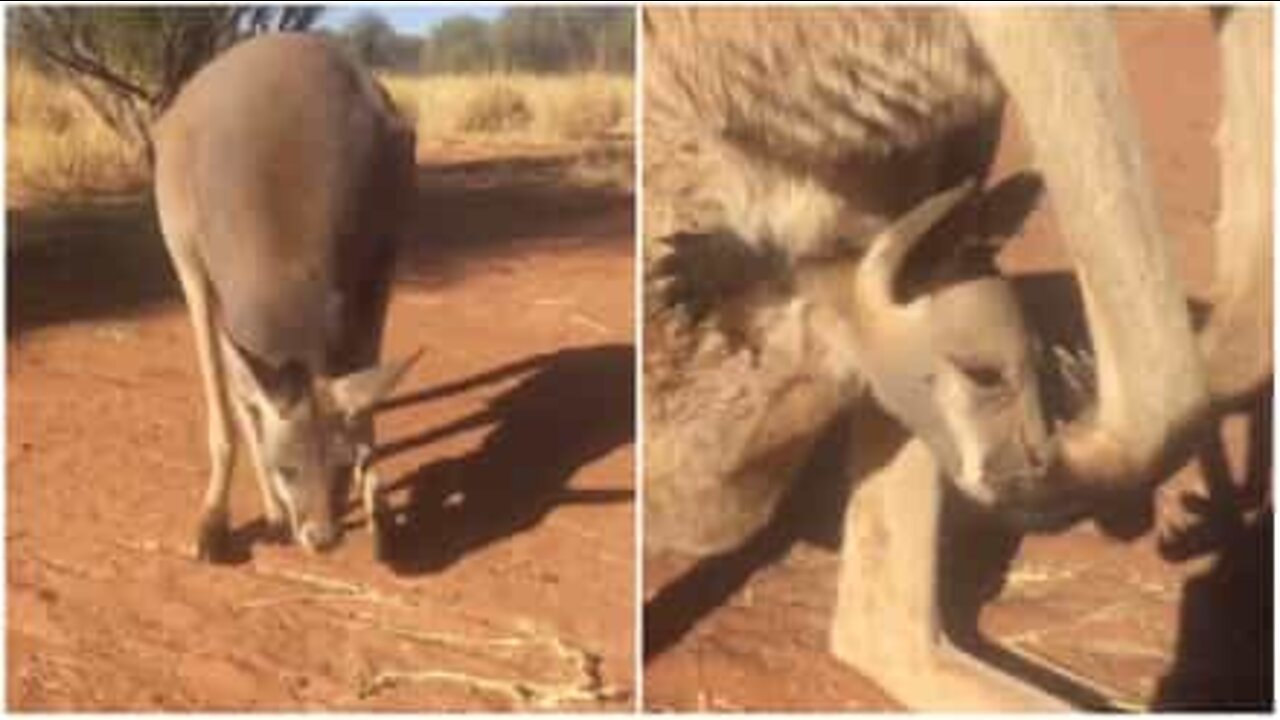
<point x="510" y="448"/>
<point x="1120" y="621"/>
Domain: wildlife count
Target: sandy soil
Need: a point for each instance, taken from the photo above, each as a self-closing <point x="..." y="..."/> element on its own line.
<point x="509" y="447"/>
<point x="1103" y="617"/>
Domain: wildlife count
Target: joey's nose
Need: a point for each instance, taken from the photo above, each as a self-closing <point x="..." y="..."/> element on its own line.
<point x="317" y="538"/>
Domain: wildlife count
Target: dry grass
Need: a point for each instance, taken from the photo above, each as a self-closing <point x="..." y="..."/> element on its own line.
<point x="587" y="115"/>
<point x="553" y="108"/>
<point x="57" y="146"/>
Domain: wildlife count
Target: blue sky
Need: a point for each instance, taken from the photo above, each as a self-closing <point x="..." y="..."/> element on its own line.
<point x="411" y="20"/>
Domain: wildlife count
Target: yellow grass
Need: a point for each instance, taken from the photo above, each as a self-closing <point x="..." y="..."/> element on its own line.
<point x="583" y="106"/>
<point x="56" y="145"/>
<point x="403" y="89"/>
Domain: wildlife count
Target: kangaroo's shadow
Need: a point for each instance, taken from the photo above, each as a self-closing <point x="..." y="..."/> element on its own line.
<point x="575" y="407"/>
<point x="85" y="261"/>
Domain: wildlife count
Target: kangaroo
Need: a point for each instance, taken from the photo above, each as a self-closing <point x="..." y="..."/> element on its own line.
<point x="805" y="137"/>
<point x="737" y="393"/>
<point x="282" y="176"/>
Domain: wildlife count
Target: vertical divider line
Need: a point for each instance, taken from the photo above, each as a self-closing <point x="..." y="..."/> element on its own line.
<point x="637" y="89"/>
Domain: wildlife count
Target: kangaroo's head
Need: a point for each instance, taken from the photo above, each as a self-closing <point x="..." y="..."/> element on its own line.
<point x="955" y="363"/>
<point x="309" y="432"/>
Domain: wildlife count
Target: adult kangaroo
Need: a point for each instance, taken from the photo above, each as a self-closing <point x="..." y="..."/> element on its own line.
<point x="282" y="174"/>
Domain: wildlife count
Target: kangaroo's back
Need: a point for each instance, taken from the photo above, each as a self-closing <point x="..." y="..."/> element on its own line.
<point x="816" y="88"/>
<point x="282" y="169"/>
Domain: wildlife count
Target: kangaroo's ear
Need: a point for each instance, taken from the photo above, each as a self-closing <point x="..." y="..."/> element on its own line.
<point x="358" y="392"/>
<point x="997" y="216"/>
<point x="1005" y="207"/>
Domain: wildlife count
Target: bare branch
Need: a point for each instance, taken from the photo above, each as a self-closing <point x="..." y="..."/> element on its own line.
<point x="130" y="62"/>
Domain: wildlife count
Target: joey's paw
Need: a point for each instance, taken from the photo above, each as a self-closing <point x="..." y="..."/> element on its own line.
<point x="1189" y="525"/>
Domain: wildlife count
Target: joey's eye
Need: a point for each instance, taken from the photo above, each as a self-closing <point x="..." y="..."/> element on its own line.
<point x="984" y="376"/>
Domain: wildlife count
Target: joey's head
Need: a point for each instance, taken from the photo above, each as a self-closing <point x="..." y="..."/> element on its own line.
<point x="954" y="362"/>
<point x="307" y="430"/>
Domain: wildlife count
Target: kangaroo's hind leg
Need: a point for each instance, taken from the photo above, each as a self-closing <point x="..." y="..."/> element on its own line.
<point x="213" y="532"/>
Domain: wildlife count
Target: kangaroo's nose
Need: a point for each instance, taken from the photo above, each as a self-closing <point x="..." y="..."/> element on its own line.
<point x="316" y="537"/>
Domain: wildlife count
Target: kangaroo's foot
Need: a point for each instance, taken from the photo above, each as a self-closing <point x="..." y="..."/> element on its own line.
<point x="213" y="536"/>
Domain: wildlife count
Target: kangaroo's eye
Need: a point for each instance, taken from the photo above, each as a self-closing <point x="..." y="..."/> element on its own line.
<point x="288" y="473"/>
<point x="984" y="376"/>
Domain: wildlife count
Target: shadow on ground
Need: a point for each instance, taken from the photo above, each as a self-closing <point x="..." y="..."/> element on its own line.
<point x="574" y="406"/>
<point x="85" y="261"/>
<point x="478" y="209"/>
<point x="106" y="259"/>
<point x="812" y="511"/>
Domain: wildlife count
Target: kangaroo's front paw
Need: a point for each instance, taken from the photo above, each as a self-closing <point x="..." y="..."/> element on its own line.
<point x="369" y="485"/>
<point x="376" y="508"/>
<point x="381" y="544"/>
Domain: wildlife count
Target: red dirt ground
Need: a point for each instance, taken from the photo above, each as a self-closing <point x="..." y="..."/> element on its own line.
<point x="512" y="579"/>
<point x="1122" y="622"/>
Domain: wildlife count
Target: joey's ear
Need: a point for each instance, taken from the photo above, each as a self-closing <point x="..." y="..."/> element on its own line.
<point x="1005" y="207"/>
<point x="358" y="392"/>
<point x="877" y="274"/>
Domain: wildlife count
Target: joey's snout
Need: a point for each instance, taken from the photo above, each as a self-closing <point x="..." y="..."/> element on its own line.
<point x="1028" y="494"/>
<point x="1018" y="462"/>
